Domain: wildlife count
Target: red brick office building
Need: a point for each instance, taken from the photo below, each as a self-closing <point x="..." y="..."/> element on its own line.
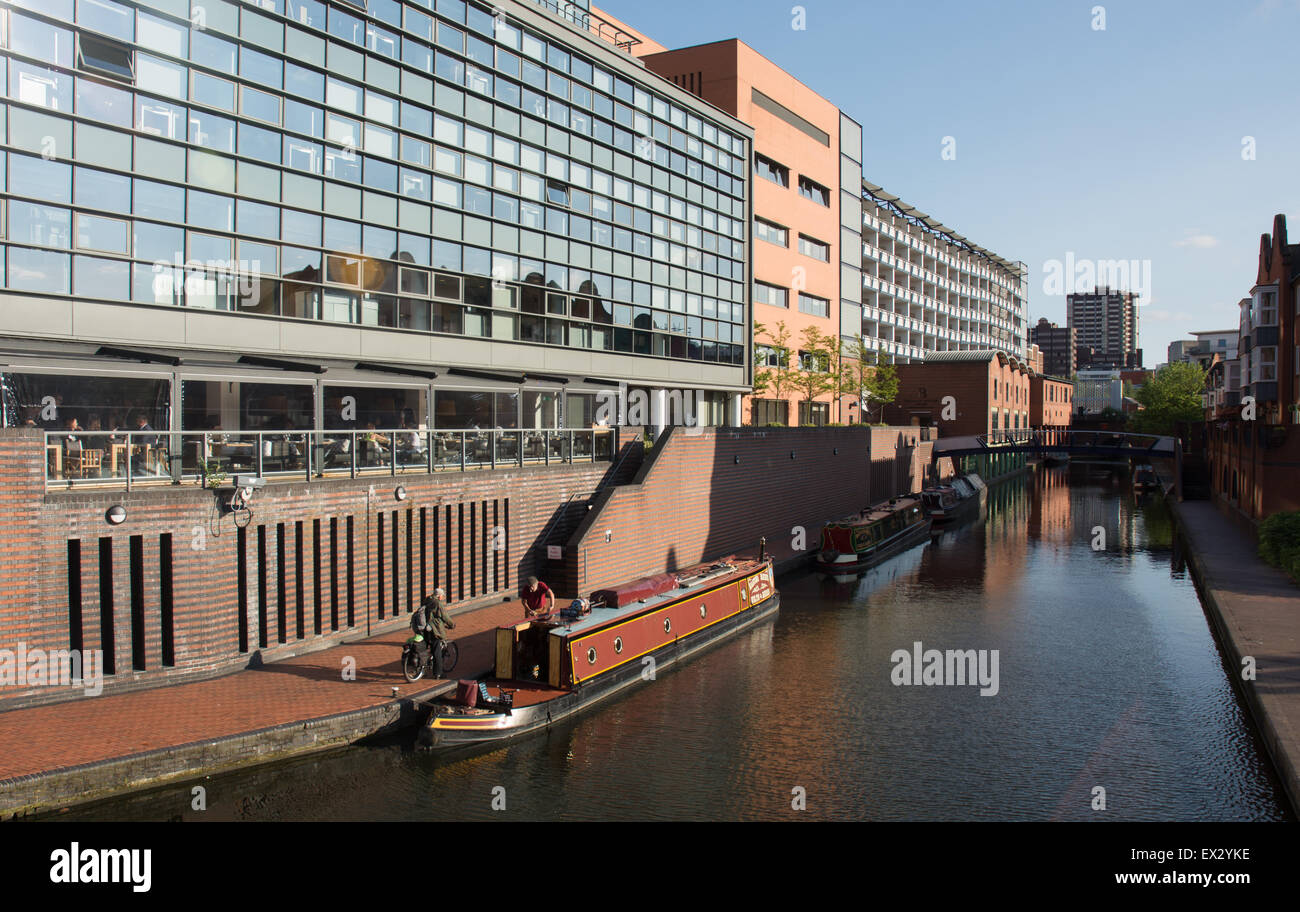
<point x="1254" y="462"/>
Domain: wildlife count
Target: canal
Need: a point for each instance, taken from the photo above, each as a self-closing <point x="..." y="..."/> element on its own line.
<point x="1108" y="678"/>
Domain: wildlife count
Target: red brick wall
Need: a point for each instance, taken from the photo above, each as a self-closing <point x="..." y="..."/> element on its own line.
<point x="693" y="501"/>
<point x="1050" y="411"/>
<point x="35" y="602"/>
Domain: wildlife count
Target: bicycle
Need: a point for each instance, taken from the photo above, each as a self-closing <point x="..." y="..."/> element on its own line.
<point x="417" y="657"/>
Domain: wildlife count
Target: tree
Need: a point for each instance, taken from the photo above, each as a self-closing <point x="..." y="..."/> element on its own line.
<point x="1172" y="394"/>
<point x="883" y="388"/>
<point x="863" y="377"/>
<point x="775" y="380"/>
<point x="814" y="376"/>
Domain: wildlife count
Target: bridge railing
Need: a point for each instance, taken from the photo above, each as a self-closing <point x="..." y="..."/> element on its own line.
<point x="1057" y="438"/>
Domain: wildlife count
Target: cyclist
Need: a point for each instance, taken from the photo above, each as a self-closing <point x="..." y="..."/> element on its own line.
<point x="431" y="622"/>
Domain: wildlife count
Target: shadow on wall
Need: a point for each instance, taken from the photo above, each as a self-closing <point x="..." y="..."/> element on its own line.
<point x="703" y="494"/>
<point x="556" y="531"/>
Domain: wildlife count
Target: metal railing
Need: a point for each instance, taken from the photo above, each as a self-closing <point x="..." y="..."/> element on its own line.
<point x="128" y="458"/>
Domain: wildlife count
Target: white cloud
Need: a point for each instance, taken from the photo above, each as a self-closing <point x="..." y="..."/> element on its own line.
<point x="1199" y="241"/>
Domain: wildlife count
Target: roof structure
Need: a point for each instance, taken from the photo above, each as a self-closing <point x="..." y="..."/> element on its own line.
<point x="933" y="226"/>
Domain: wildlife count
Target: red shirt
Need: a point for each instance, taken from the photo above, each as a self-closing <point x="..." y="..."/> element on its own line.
<point x="534" y="600"/>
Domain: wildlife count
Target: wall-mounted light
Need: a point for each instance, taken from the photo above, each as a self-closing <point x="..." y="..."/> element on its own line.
<point x="737" y="458"/>
<point x="400" y="492"/>
<point x="116" y="515"/>
<point x="835" y="452"/>
<point x="792" y="454"/>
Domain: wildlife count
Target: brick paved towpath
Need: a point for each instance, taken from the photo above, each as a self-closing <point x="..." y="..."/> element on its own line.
<point x="62" y="753"/>
<point x="1256" y="609"/>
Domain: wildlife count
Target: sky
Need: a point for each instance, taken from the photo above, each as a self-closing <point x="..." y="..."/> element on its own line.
<point x="1169" y="137"/>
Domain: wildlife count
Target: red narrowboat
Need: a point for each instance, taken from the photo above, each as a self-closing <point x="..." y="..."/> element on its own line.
<point x="861" y="541"/>
<point x="552" y="667"/>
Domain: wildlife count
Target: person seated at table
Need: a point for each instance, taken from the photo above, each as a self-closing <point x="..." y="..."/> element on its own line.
<point x="141" y="431"/>
<point x="535" y="594"/>
<point x="71" y="442"/>
<point x="372" y="444"/>
<point x="409" y="437"/>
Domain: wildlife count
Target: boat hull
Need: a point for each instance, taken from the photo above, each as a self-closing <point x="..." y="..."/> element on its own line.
<point x="856" y="563"/>
<point x="452" y="731"/>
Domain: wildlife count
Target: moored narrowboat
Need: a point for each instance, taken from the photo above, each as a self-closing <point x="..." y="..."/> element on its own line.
<point x="959" y="498"/>
<point x="858" y="542"/>
<point x="551" y="667"/>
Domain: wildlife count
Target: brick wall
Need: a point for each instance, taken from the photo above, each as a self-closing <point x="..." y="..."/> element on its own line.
<point x="707" y="493"/>
<point x="444" y="533"/>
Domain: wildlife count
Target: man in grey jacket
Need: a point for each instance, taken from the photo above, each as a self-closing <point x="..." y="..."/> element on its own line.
<point x="430" y="620"/>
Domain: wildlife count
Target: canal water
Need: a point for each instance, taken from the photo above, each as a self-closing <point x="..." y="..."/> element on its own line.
<point x="1112" y="702"/>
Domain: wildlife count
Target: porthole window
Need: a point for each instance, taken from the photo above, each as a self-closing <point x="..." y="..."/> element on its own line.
<point x="668" y="625"/>
<point x="591" y="656"/>
<point x="704" y="610"/>
<point x="618" y="645"/>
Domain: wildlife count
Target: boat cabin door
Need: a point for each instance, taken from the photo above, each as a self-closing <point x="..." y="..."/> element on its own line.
<point x="527" y="652"/>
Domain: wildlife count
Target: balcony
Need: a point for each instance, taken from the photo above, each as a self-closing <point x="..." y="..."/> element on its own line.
<point x="118" y="459"/>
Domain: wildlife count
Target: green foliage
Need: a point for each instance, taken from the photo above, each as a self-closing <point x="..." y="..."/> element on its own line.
<point x="1172" y="394"/>
<point x="1279" y="542"/>
<point x="774" y="380"/>
<point x="213" y="474"/>
<point x="864" y="376"/>
<point x="817" y="382"/>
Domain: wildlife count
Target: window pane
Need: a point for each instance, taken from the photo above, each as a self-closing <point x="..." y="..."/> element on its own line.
<point x="94" y="232"/>
<point x="38" y="270"/>
<point x="94" y="277"/>
<point x="32" y="223"/>
<point x="158" y="243"/>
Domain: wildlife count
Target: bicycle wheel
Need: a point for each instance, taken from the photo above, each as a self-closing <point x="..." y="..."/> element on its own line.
<point x="412" y="667"/>
<point x="450" y="653"/>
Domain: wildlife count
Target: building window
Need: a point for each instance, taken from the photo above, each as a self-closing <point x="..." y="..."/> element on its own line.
<point x="813" y="362"/>
<point x="771" y="295"/>
<point x="777" y="174"/>
<point x="769" y="411"/>
<point x="107" y="58"/>
<point x="810" y="189"/>
<point x="766" y="356"/>
<point x="814" y="248"/>
<point x="811" y="304"/>
<point x="771" y="232"/>
<point x="816" y="413"/>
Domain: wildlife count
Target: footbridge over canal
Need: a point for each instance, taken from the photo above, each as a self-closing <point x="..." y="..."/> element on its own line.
<point x="1098" y="444"/>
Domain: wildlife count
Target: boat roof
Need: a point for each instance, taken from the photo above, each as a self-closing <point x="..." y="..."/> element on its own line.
<point x="699" y="578"/>
<point x="880" y="511"/>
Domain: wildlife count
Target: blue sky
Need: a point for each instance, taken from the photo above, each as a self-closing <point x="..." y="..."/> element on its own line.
<point x="1122" y="143"/>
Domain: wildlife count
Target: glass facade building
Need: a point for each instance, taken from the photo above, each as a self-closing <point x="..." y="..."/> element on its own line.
<point x="455" y="184"/>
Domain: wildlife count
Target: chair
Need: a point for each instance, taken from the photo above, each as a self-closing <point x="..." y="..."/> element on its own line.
<point x="85" y="463"/>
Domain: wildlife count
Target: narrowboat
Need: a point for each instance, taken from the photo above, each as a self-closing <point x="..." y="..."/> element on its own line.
<point x="946" y="503"/>
<point x="859" y="542"/>
<point x="551" y="667"/>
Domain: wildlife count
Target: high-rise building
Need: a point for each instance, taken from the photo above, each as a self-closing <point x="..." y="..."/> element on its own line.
<point x="926" y="288"/>
<point x="246" y="220"/>
<point x="1106" y="321"/>
<point x="807" y="171"/>
<point x="1058" y="344"/>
